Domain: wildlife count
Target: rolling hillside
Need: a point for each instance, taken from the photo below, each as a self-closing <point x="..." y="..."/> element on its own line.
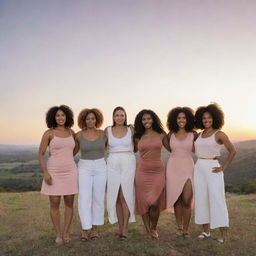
<point x="19" y="169"/>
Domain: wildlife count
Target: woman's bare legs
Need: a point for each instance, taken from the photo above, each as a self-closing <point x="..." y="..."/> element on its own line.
<point x="68" y="215"/>
<point x="55" y="216"/>
<point x="187" y="195"/>
<point x="123" y="213"/>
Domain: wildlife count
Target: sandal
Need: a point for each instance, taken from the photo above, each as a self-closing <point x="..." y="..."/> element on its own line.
<point x="204" y="235"/>
<point x="123" y="237"/>
<point x="179" y="232"/>
<point x="220" y="240"/>
<point x="186" y="235"/>
<point x="66" y="240"/>
<point x="58" y="241"/>
<point x="84" y="236"/>
<point x="94" y="235"/>
<point x="154" y="234"/>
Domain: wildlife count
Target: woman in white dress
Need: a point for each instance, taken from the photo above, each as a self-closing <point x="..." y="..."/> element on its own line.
<point x="121" y="165"/>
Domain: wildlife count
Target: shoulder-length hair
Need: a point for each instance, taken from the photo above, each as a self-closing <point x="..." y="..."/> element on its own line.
<point x="140" y="129"/>
<point x="85" y="112"/>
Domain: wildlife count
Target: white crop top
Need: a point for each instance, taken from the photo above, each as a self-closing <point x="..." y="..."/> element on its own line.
<point x="207" y="147"/>
<point x="120" y="144"/>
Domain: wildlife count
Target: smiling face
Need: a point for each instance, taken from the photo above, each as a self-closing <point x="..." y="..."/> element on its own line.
<point x="147" y="121"/>
<point x="181" y="120"/>
<point x="207" y="120"/>
<point x="90" y="120"/>
<point x="119" y="117"/>
<point x="60" y="118"/>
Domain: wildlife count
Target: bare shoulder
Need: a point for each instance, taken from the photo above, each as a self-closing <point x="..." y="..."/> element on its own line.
<point x="102" y="133"/>
<point x="106" y="130"/>
<point x="131" y="127"/>
<point x="48" y="133"/>
<point x="72" y="132"/>
<point x="163" y="134"/>
<point x="195" y="134"/>
<point x="78" y="135"/>
<point x="220" y="134"/>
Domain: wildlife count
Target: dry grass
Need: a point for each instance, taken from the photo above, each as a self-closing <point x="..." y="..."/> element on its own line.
<point x="26" y="229"/>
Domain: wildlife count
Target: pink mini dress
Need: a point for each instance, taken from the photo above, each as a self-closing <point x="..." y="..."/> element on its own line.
<point x="62" y="168"/>
<point x="180" y="168"/>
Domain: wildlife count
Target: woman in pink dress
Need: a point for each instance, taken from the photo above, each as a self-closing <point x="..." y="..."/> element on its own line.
<point x="180" y="166"/>
<point x="60" y="173"/>
<point x="150" y="172"/>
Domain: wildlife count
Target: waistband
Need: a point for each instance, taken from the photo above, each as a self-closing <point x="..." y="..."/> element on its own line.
<point x="202" y="158"/>
<point x="122" y="152"/>
<point x="92" y="160"/>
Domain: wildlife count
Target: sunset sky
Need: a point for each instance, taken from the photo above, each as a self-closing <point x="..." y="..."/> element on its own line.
<point x="134" y="53"/>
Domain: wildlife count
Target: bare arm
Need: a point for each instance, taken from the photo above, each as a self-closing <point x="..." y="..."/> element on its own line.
<point x="195" y="138"/>
<point x="165" y="141"/>
<point x="136" y="140"/>
<point x="222" y="138"/>
<point x="77" y="147"/>
<point x="106" y="136"/>
<point x="42" y="149"/>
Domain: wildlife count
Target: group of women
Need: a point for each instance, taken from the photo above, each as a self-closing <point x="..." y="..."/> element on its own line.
<point x="143" y="186"/>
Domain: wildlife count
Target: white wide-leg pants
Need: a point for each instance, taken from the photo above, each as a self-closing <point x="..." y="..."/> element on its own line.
<point x="209" y="191"/>
<point x="92" y="176"/>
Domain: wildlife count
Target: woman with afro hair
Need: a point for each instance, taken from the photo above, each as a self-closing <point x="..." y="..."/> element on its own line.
<point x="210" y="205"/>
<point x="150" y="173"/>
<point x="180" y="166"/>
<point x="60" y="173"/>
<point x="92" y="173"/>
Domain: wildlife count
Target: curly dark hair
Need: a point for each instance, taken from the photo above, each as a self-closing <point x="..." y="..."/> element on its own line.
<point x="51" y="113"/>
<point x="114" y="111"/>
<point x="173" y="115"/>
<point x="85" y="112"/>
<point x="140" y="129"/>
<point x="215" y="111"/>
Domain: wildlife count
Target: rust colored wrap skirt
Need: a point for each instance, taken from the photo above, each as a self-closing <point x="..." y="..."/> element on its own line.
<point x="149" y="185"/>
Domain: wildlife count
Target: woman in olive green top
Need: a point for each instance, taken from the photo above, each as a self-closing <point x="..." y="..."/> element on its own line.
<point x="91" y="172"/>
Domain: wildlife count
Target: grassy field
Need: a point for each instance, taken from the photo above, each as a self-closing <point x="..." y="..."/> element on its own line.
<point x="26" y="230"/>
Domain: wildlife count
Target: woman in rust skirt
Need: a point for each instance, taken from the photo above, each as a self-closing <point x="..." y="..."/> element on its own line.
<point x="150" y="171"/>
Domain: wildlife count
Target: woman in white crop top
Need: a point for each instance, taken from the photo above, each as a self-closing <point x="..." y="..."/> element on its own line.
<point x="121" y="165"/>
<point x="210" y="205"/>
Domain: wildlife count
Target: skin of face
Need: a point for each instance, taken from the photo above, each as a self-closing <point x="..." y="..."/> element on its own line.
<point x="60" y="118"/>
<point x="181" y="120"/>
<point x="147" y="121"/>
<point x="207" y="120"/>
<point x="119" y="117"/>
<point x="90" y="120"/>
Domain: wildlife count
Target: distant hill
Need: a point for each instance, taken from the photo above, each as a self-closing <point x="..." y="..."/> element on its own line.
<point x="242" y="171"/>
<point x="17" y="153"/>
<point x="19" y="167"/>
